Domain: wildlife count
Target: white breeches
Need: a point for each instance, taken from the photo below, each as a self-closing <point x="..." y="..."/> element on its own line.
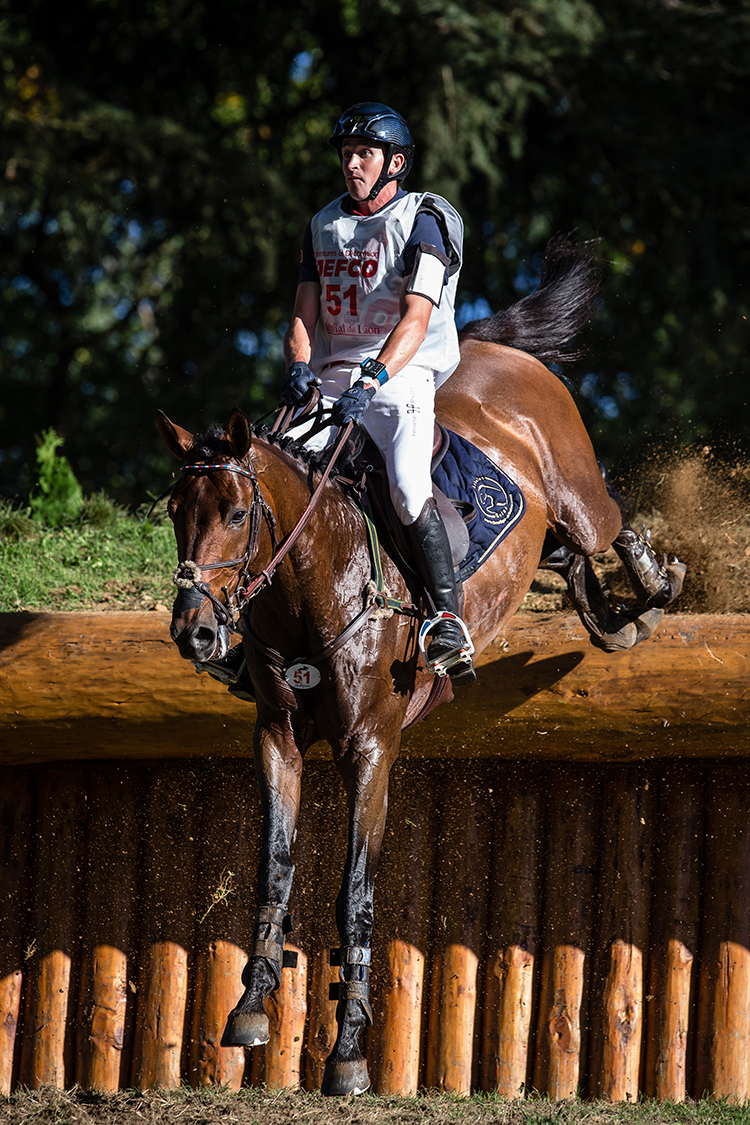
<point x="401" y="421"/>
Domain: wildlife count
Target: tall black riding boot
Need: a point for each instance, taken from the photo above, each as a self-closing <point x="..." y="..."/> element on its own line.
<point x="431" y="551"/>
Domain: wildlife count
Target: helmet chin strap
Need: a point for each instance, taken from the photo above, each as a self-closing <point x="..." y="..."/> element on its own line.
<point x="385" y="177"/>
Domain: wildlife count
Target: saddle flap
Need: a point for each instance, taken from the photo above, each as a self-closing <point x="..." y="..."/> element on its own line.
<point x="479" y="504"/>
<point x="455" y="525"/>
<point x="441" y="441"/>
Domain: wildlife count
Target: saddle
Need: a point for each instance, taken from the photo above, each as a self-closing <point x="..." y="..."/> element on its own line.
<point x="479" y="504"/>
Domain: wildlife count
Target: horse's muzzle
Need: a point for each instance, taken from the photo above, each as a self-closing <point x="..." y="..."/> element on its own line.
<point x="194" y="628"/>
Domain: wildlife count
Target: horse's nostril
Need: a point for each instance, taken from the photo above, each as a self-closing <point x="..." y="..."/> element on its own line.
<point x="204" y="635"/>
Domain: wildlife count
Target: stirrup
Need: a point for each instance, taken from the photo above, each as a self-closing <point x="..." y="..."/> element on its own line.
<point x="460" y="655"/>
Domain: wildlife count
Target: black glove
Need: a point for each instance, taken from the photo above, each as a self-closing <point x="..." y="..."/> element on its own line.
<point x="351" y="405"/>
<point x="296" y="388"/>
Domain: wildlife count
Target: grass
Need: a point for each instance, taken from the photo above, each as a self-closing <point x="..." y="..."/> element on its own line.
<point x="62" y="551"/>
<point x="257" y="1105"/>
<point x="104" y="558"/>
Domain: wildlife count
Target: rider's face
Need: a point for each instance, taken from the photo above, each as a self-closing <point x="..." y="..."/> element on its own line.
<point x="361" y="164"/>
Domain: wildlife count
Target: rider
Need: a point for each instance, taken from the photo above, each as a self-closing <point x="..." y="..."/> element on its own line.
<point x="373" y="326"/>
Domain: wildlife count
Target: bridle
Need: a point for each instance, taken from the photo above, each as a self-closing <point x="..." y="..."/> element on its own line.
<point x="187" y="576"/>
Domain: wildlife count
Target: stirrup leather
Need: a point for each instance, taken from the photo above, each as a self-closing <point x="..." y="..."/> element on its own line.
<point x="460" y="655"/>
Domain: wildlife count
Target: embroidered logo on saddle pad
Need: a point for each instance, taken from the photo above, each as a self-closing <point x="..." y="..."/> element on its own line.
<point x="468" y="475"/>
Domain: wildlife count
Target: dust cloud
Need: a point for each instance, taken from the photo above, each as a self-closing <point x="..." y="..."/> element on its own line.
<point x="697" y="507"/>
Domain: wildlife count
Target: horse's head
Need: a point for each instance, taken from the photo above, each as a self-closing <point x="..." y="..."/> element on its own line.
<point x="212" y="508"/>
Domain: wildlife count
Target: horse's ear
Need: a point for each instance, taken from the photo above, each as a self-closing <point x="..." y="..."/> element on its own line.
<point x="238" y="432"/>
<point x="177" y="440"/>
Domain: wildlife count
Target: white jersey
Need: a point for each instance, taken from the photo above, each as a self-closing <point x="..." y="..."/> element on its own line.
<point x="361" y="271"/>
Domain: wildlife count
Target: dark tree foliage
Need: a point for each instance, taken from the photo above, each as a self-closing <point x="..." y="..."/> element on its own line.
<point x="158" y="163"/>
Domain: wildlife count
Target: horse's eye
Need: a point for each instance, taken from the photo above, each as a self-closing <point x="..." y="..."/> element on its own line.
<point x="238" y="518"/>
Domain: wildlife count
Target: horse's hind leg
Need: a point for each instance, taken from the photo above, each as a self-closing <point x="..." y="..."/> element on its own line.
<point x="609" y="629"/>
<point x="279" y="769"/>
<point x="655" y="586"/>
<point x="366" y="782"/>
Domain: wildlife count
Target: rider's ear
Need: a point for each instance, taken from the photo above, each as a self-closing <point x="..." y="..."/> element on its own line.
<point x="177" y="440"/>
<point x="238" y="432"/>
<point x="396" y="164"/>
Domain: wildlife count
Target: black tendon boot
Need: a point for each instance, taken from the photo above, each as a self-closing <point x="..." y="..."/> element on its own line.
<point x="431" y="552"/>
<point x="655" y="586"/>
<point x="247" y="1023"/>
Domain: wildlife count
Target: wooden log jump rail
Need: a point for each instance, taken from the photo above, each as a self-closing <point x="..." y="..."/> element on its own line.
<point x="563" y="901"/>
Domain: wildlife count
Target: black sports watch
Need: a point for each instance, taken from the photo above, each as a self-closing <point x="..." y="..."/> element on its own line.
<point x="375" y="370"/>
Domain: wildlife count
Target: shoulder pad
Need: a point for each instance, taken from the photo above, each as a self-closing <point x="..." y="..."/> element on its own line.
<point x="450" y="227"/>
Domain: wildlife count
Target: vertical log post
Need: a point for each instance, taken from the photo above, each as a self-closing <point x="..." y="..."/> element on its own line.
<point x="321" y="1025"/>
<point x="112" y="892"/>
<point x="15" y="848"/>
<point x="461" y="899"/>
<point x="225" y="895"/>
<point x="626" y="856"/>
<point x="571" y="861"/>
<point x="167" y="924"/>
<point x="49" y="1042"/>
<point x="513" y="927"/>
<point x="674" y="933"/>
<point x="287" y="1010"/>
<point x="402" y="927"/>
<point x="723" y="1058"/>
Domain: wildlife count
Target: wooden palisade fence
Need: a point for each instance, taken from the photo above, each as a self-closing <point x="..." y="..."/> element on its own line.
<point x="542" y="923"/>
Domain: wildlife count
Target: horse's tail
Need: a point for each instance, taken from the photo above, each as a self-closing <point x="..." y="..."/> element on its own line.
<point x="543" y="323"/>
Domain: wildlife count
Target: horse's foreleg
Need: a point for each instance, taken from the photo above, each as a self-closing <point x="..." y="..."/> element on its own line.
<point x="366" y="782"/>
<point x="278" y="766"/>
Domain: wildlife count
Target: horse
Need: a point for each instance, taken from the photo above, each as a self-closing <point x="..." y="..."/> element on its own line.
<point x="248" y="536"/>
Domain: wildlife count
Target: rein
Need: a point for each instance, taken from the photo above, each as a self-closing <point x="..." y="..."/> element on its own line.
<point x="379" y="603"/>
<point x="265" y="575"/>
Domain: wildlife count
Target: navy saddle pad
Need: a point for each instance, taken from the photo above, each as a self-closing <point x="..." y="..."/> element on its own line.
<point x="467" y="475"/>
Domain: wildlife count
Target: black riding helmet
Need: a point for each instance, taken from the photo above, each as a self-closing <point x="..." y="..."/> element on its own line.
<point x="373" y="121"/>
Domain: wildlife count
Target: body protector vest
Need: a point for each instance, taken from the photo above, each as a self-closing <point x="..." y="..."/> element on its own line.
<point x="361" y="273"/>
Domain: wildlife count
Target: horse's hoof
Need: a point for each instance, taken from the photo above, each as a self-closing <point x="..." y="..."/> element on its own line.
<point x="619" y="641"/>
<point x="246" y="1029"/>
<point x="342" y="1078"/>
<point x="674" y="576"/>
<point x="647" y="623"/>
<point x="634" y="631"/>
